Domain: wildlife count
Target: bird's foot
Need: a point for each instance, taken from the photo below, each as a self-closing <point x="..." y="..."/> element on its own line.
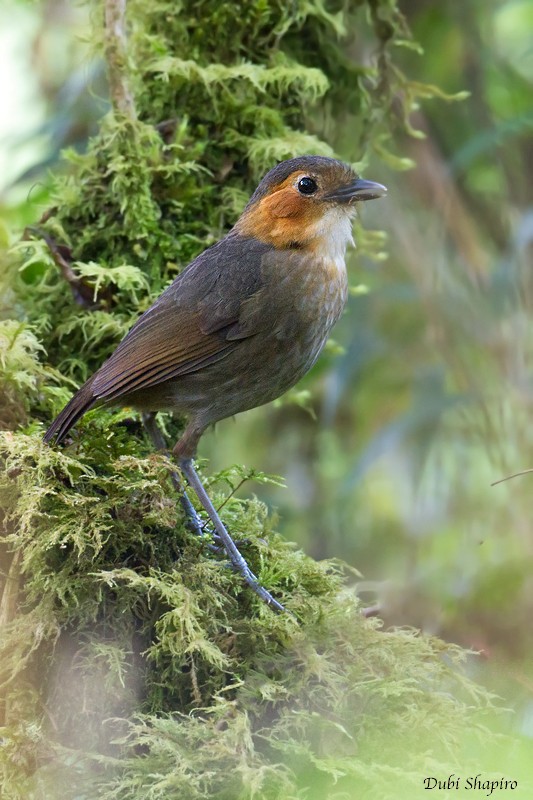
<point x="221" y="537"/>
<point x="237" y="561"/>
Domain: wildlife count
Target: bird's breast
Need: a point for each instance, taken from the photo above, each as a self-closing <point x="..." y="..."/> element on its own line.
<point x="310" y="291"/>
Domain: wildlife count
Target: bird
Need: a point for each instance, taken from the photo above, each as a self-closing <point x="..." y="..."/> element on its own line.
<point x="243" y="322"/>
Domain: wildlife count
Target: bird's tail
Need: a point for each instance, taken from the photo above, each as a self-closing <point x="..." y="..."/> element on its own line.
<point x="82" y="401"/>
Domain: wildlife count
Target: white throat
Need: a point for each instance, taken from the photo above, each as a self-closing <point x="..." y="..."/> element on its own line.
<point x="334" y="231"/>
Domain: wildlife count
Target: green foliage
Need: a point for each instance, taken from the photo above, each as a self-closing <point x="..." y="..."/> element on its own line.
<point x="128" y="611"/>
<point x="133" y="661"/>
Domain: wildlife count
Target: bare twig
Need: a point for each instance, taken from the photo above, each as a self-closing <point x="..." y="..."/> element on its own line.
<point x="515" y="475"/>
<point x="116" y="57"/>
<point x="61" y="253"/>
<point x="233" y="491"/>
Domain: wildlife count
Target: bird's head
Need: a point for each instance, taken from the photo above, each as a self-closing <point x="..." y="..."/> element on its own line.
<point x="307" y="203"/>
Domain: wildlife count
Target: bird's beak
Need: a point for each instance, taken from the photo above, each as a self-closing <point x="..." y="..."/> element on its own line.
<point x="358" y="190"/>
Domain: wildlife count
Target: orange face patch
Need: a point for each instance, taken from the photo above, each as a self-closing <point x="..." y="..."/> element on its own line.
<point x="281" y="217"/>
<point x="284" y="202"/>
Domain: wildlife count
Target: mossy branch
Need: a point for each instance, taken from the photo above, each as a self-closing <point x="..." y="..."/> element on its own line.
<point x="116" y="54"/>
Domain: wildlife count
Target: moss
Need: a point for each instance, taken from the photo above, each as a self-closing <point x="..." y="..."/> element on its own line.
<point x="156" y="669"/>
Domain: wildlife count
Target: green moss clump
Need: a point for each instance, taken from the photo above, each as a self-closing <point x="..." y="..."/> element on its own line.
<point x="141" y="664"/>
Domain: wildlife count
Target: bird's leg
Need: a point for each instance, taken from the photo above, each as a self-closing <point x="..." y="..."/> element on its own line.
<point x="158" y="440"/>
<point x="237" y="561"/>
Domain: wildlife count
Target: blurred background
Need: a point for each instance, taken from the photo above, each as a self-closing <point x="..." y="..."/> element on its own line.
<point x="390" y="445"/>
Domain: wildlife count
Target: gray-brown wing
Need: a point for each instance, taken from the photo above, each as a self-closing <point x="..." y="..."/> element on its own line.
<point x="195" y="321"/>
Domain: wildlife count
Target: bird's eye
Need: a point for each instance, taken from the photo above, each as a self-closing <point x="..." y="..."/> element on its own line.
<point x="307" y="185"/>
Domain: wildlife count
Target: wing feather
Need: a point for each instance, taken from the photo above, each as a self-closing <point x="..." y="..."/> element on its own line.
<point x="194" y="322"/>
